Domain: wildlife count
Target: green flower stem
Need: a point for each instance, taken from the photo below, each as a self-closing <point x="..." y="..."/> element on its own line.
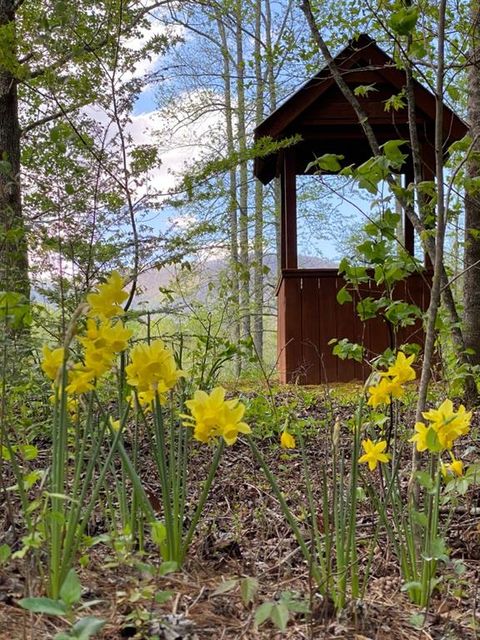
<point x="165" y="484"/>
<point x="202" y="499"/>
<point x="429" y="564"/>
<point x="317" y="576"/>
<point x="136" y="482"/>
<point x="74" y="531"/>
<point x="351" y="555"/>
<point x="59" y="447"/>
<point x="339" y="524"/>
<point x="18" y="478"/>
<point x="320" y="553"/>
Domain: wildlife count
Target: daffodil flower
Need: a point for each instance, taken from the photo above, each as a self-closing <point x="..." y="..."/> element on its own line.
<point x="287" y="441"/>
<point x="374" y="453"/>
<point x="214" y="417"/>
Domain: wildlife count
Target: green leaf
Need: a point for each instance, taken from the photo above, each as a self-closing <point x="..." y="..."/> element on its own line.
<point x="86" y="628"/>
<point x="164" y="596"/>
<point x="225" y="587"/>
<point x="343" y="296"/>
<point x="410" y="586"/>
<point x="347" y="350"/>
<point x="71" y="589"/>
<point x="364" y="89"/>
<point x="28" y="451"/>
<point x="438" y="550"/>
<point x="393" y="154"/>
<point x="169" y="566"/>
<point x="263" y="613"/>
<point x="424" y="480"/>
<point x="432" y="441"/>
<point x="329" y="162"/>
<point x="417" y="620"/>
<point x="5" y="553"/>
<point x="248" y="589"/>
<point x="44" y="605"/>
<point x="403" y="21"/>
<point x="419" y="518"/>
<point x="159" y="533"/>
<point x="280" y="615"/>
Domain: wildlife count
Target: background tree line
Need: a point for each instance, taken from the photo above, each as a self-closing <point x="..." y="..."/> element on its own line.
<point x="77" y="193"/>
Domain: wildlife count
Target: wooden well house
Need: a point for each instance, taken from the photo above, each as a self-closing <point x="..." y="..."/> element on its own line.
<point x="308" y="313"/>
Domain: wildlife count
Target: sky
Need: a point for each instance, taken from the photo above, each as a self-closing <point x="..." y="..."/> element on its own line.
<point x="147" y="118"/>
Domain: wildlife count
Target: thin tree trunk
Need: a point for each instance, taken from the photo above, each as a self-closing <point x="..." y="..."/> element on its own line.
<point x="258" y="231"/>
<point x="272" y="95"/>
<point x="232" y="191"/>
<point x="13" y="244"/>
<point x="471" y="287"/>
<point x="243" y="177"/>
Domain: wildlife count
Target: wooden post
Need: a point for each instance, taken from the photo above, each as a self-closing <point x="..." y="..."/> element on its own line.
<point x="289" y="211"/>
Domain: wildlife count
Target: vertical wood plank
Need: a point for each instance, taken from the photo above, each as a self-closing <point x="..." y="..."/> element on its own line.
<point x="328" y="328"/>
<point x="310" y="330"/>
<point x="345" y="321"/>
<point x="281" y="313"/>
<point x="293" y="329"/>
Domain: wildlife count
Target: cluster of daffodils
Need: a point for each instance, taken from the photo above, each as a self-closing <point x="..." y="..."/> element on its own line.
<point x="212" y="417"/>
<point x="105" y="337"/>
<point x="151" y="372"/>
<point x="390" y="387"/>
<point x="445" y="426"/>
<point x="392" y="381"/>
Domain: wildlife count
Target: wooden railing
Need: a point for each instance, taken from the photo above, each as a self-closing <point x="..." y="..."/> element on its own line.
<point x="309" y="316"/>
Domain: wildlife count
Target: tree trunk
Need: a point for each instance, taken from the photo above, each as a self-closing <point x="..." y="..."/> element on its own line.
<point x="232" y="197"/>
<point x="258" y="231"/>
<point x="13" y="244"/>
<point x="471" y="290"/>
<point x="243" y="177"/>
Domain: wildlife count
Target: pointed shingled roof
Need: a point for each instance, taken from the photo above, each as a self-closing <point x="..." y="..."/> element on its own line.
<point x="327" y="123"/>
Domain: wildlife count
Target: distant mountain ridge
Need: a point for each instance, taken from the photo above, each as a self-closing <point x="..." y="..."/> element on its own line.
<point x="151" y="281"/>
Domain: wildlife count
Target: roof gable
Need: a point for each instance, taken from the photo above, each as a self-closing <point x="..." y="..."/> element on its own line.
<point x="319" y="105"/>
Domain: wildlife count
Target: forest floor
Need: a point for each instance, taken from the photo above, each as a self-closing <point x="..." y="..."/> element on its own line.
<point x="243" y="534"/>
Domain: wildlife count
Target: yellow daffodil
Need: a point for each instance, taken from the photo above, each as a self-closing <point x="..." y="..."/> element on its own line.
<point x="287" y="441"/>
<point x="420" y="437"/>
<point x="374" y="453"/>
<point x="115" y="424"/>
<point x="401" y="371"/>
<point x="52" y="361"/>
<point x="98" y="361"/>
<point x="106" y="336"/>
<point x="80" y="380"/>
<point x="448" y="423"/>
<point x="213" y="416"/>
<point x="107" y="300"/>
<point x="456" y="466"/>
<point x="152" y="368"/>
<point x="384" y="391"/>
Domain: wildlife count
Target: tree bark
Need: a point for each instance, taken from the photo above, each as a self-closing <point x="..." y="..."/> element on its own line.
<point x="258" y="230"/>
<point x="243" y="177"/>
<point x="232" y="193"/>
<point x="13" y="244"/>
<point x="471" y="289"/>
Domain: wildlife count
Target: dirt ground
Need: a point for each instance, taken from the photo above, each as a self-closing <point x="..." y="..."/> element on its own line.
<point x="243" y="534"/>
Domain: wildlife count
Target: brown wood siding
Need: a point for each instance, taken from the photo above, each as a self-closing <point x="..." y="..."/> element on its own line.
<point x="309" y="317"/>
